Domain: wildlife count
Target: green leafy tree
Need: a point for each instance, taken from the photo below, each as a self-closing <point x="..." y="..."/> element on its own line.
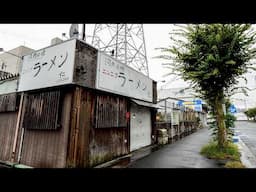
<point x="251" y="113"/>
<point x="212" y="57"/>
<point x="229" y="123"/>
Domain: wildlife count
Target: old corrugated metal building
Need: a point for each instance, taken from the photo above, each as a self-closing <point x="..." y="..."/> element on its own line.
<point x="76" y="107"/>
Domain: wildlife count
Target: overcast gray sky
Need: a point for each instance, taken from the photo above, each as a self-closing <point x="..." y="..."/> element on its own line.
<point x="37" y="36"/>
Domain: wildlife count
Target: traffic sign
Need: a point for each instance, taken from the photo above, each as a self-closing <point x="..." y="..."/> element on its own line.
<point x="180" y="102"/>
<point x="232" y="109"/>
<point x="198" y="102"/>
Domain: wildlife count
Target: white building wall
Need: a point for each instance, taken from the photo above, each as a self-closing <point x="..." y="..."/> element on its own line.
<point x="11" y="63"/>
<point x="243" y="102"/>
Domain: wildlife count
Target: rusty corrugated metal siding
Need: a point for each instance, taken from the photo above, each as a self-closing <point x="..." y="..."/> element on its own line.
<point x="110" y="112"/>
<point x="111" y="140"/>
<point x="8" y="102"/>
<point x="81" y="123"/>
<point x="7" y="131"/>
<point x="88" y="145"/>
<point x="106" y="144"/>
<point x="41" y="110"/>
<point x="48" y="148"/>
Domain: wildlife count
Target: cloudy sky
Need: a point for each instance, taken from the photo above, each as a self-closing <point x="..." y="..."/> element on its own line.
<point x="37" y="36"/>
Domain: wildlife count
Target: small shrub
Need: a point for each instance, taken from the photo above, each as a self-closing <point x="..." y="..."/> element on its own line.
<point x="234" y="164"/>
<point x="212" y="151"/>
<point x="251" y="113"/>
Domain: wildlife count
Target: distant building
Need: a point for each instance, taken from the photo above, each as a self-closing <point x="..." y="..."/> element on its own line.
<point x="243" y="102"/>
<point x="10" y="60"/>
<point x="182" y="93"/>
<point x="9" y="63"/>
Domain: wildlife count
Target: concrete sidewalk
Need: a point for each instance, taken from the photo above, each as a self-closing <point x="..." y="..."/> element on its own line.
<point x="184" y="153"/>
<point x="125" y="161"/>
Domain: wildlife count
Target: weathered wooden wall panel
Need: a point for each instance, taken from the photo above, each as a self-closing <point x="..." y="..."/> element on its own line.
<point x="110" y="112"/>
<point x="106" y="144"/>
<point x="7" y="131"/>
<point x="88" y="145"/>
<point x="154" y="92"/>
<point x="8" y="102"/>
<point x="154" y="127"/>
<point x="85" y="65"/>
<point x="81" y="123"/>
<point x="41" y="110"/>
<point x="48" y="148"/>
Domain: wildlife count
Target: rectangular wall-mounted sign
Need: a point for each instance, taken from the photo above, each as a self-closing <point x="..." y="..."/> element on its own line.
<point x="116" y="77"/>
<point x="48" y="67"/>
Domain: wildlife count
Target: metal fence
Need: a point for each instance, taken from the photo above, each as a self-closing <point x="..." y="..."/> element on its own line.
<point x="178" y="120"/>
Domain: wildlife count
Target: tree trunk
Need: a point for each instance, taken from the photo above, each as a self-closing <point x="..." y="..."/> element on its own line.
<point x="222" y="140"/>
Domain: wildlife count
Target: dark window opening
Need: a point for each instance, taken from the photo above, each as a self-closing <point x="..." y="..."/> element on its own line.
<point x="43" y="110"/>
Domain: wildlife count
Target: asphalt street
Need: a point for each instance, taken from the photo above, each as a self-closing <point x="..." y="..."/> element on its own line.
<point x="247" y="133"/>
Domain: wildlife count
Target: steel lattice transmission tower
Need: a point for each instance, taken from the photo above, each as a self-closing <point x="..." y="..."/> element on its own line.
<point x="125" y="42"/>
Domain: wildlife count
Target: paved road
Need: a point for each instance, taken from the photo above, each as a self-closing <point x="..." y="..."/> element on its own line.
<point x="247" y="134"/>
<point x="184" y="153"/>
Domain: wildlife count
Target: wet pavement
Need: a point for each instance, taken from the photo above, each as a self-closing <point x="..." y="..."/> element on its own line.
<point x="184" y="153"/>
<point x="247" y="134"/>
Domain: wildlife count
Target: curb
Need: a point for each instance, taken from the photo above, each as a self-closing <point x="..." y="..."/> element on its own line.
<point x="9" y="164"/>
<point x="135" y="155"/>
<point x="247" y="158"/>
<point x="111" y="163"/>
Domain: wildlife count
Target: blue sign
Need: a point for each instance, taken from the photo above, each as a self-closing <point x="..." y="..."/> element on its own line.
<point x="232" y="109"/>
<point x="180" y="103"/>
<point x="198" y="102"/>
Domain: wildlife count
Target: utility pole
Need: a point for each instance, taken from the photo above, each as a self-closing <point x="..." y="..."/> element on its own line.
<point x="83" y="33"/>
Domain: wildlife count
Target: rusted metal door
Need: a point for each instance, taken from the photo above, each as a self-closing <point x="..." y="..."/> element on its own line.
<point x="140" y="127"/>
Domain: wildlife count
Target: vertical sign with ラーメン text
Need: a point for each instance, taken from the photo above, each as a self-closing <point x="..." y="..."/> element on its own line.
<point x="48" y="67"/>
<point x="116" y="77"/>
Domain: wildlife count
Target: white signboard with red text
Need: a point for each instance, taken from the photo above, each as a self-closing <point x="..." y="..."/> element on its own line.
<point x="48" y="67"/>
<point x="116" y="77"/>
